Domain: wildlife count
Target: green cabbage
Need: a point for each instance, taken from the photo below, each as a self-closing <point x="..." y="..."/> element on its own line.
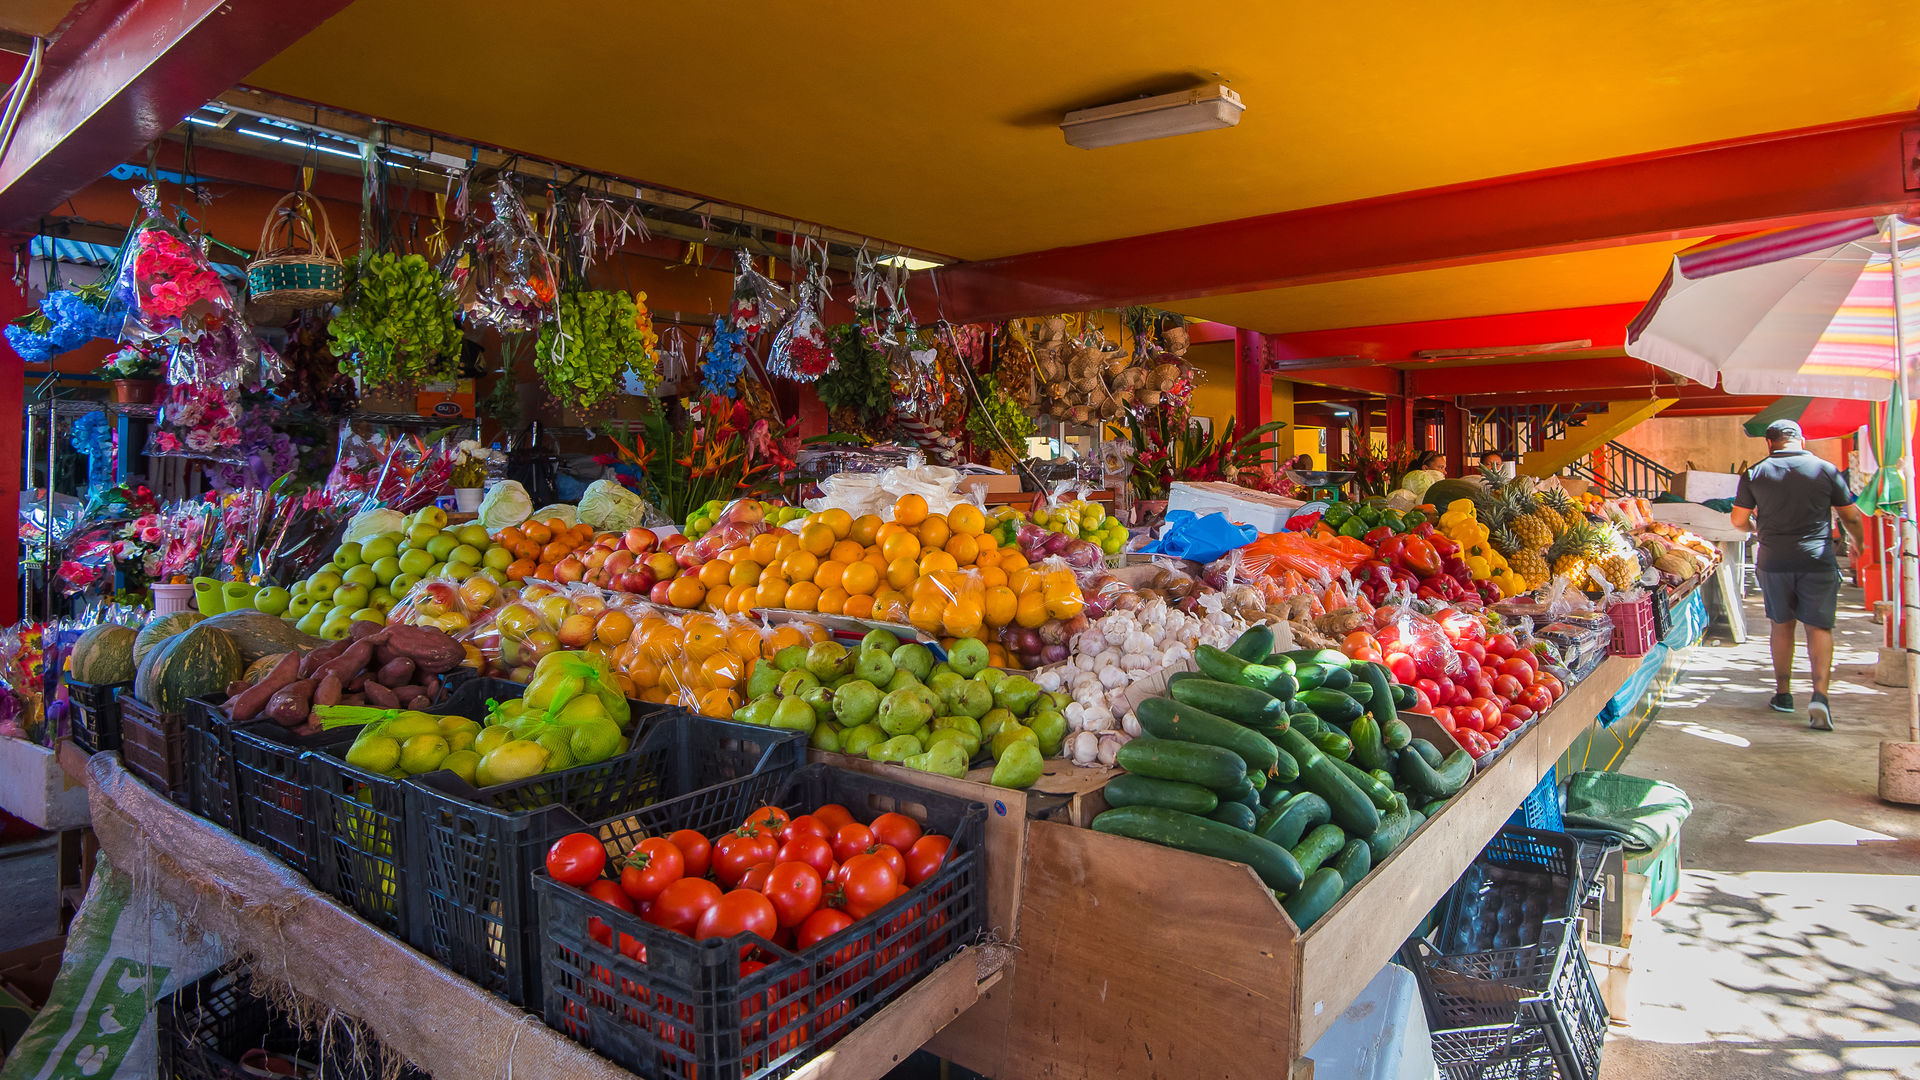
<point x="609" y="507"/>
<point x="1419" y="480"/>
<point x="506" y="503"/>
<point x="564" y="511"/>
<point x="368" y="524"/>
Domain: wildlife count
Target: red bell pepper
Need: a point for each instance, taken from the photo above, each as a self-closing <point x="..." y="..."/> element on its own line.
<point x="1442" y="545"/>
<point x="1419" y="556"/>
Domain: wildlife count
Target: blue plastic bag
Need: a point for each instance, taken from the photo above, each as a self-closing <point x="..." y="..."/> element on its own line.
<point x="1202" y="539"/>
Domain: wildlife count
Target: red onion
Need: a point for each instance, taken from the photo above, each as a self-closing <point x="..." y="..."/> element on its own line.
<point x="1054" y="544"/>
<point x="1053" y="632"/>
<point x="1083" y="553"/>
<point x="1053" y="654"/>
<point x="1031" y="660"/>
<point x="1077" y="625"/>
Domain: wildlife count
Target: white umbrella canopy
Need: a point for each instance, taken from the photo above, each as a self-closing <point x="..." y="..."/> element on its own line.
<point x="1803" y="311"/>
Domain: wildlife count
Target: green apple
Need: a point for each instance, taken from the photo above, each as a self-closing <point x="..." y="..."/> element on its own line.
<point x="347" y="554"/>
<point x="300" y="604"/>
<point x="273" y="600"/>
<point x="498" y="577"/>
<point x="421" y="535"/>
<point x="372" y="615"/>
<point x="350" y="598"/>
<point x="402" y="585"/>
<point x="416" y="562"/>
<point x="432" y="515"/>
<point x="380" y="547"/>
<point x="441" y="545"/>
<point x="386" y="569"/>
<point x="309" y="624"/>
<point x="380" y="595"/>
<point x="322" y="583"/>
<point x="465" y="553"/>
<point x="474" y="533"/>
<point x="360" y="574"/>
<point x="496" y="558"/>
<point x="461" y="571"/>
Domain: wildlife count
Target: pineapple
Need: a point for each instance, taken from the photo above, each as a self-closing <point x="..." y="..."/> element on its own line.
<point x="1534" y="527"/>
<point x="1530" y="566"/>
<point x="1620" y="565"/>
<point x="1573" y="554"/>
<point x="1504" y="541"/>
<point x="1557" y="504"/>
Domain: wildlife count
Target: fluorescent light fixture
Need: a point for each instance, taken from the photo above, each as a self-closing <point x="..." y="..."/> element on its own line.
<point x="1337" y="411"/>
<point x="907" y="262"/>
<point x="1205" y="108"/>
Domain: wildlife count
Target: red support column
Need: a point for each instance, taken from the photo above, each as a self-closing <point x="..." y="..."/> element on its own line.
<point x="13" y="386"/>
<point x="1400" y="426"/>
<point x="1252" y="386"/>
<point x="1602" y="479"/>
<point x="1456" y="438"/>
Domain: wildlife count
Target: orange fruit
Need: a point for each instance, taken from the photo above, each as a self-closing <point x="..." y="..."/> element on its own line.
<point x="704" y="638"/>
<point x="910" y="510"/>
<point x="1000" y="605"/>
<point x="985" y="557"/>
<point x="934" y="562"/>
<point x="864" y="528"/>
<point x="859" y="607"/>
<point x="928" y="588"/>
<point x="933" y="532"/>
<point x="889" y="529"/>
<point x="889" y="604"/>
<point x="966" y="518"/>
<point x="656" y="695"/>
<point x="902" y="573"/>
<point x="509" y="536"/>
<point x="732" y="554"/>
<point x="614" y="627"/>
<point x="803" y="596"/>
<point x="685" y="591"/>
<point x="770" y="593"/>
<point x="644" y="672"/>
<point x="926" y="614"/>
<point x="715" y="574"/>
<point x="987" y="542"/>
<point x="997" y="655"/>
<point x="1024" y="580"/>
<point x="800" y="566"/>
<point x="744" y="572"/>
<point x="817" y="538"/>
<point x="846" y="551"/>
<point x="900" y="545"/>
<point x="741" y="599"/>
<point x="555" y="551"/>
<point x="838" y="520"/>
<point x="992" y="575"/>
<point x="962" y="617"/>
<point x="787" y="544"/>
<point x="744" y="641"/>
<point x="963" y="548"/>
<point x="860" y="578"/>
<point x="1011" y="560"/>
<point x="722" y="669"/>
<point x="878" y="560"/>
<point x="829" y="574"/>
<point x="536" y="532"/>
<point x="521" y="569"/>
<point x="1031" y="610"/>
<point x="833" y="601"/>
<point x="815" y="632"/>
<point x="719" y="704"/>
<point x="765" y="547"/>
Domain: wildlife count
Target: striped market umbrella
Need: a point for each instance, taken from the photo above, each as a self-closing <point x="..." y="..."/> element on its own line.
<point x="1889" y="428"/>
<point x="1819" y="418"/>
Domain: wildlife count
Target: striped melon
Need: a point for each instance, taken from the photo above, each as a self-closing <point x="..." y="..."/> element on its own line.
<point x="159" y="628"/>
<point x="259" y="634"/>
<point x="259" y="668"/>
<point x="198" y="661"/>
<point x="103" y="655"/>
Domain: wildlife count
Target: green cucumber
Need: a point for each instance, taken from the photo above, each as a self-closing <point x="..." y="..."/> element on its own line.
<point x="1381" y="795"/>
<point x="1165" y="718"/>
<point x="1323" y="843"/>
<point x="1332" y="706"/>
<point x="1195" y="763"/>
<point x="1224" y="667"/>
<point x="1335" y="678"/>
<point x="1238" y="815"/>
<point x="1258" y="780"/>
<point x="1455" y="771"/>
<point x="1436" y="783"/>
<point x="1395" y="734"/>
<point x="1358" y="691"/>
<point x="1381" y="705"/>
<point x="1427" y="751"/>
<point x="1393" y="829"/>
<point x="1432" y="808"/>
<point x="1286" y="822"/>
<point x="1127" y="789"/>
<point x="1368" y="753"/>
<point x="1334" y="745"/>
<point x="1278" y="793"/>
<point x="1404" y="696"/>
<point x="1254" y="645"/>
<point x="1315" y="897"/>
<point x="1285" y="770"/>
<point x="1353" y="862"/>
<point x="1179" y="677"/>
<point x="1323" y="657"/>
<point x="1238" y="792"/>
<point x="1280" y="660"/>
<point x="1384" y="777"/>
<point x="1274" y="864"/>
<point x="1241" y="704"/>
<point x="1310" y="676"/>
<point x="1352" y="810"/>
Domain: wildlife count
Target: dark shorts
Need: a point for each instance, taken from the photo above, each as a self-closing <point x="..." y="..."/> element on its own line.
<point x="1803" y="596"/>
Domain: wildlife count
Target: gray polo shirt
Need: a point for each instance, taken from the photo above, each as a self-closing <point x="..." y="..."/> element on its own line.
<point x="1792" y="494"/>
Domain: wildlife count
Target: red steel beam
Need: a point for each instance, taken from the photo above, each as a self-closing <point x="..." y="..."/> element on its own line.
<point x="1544" y="376"/>
<point x="1686" y="397"/>
<point x="1854" y="168"/>
<point x="1396" y="343"/>
<point x="122" y="74"/>
<point x="14" y="303"/>
<point x="1378" y="381"/>
<point x="1252" y="389"/>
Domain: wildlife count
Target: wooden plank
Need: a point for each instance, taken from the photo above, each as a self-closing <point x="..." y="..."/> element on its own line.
<point x="1124" y="973"/>
<point x="891" y="1035"/>
<point x="73" y="761"/>
<point x="1068" y="792"/>
<point x="977" y="1038"/>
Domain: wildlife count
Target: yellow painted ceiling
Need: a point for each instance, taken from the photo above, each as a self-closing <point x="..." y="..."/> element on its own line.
<point x="1604" y="276"/>
<point x="35" y="17"/>
<point x="933" y="124"/>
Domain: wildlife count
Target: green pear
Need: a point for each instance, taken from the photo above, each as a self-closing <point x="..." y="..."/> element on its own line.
<point x="905" y="710"/>
<point x="1019" y="767"/>
<point x="1015" y="693"/>
<point x="793" y="714"/>
<point x="968" y="657"/>
<point x="992" y="676"/>
<point x="758" y="711"/>
<point x="968" y="698"/>
<point x="995" y="719"/>
<point x="796" y="682"/>
<point x="897" y="749"/>
<point x="883" y="640"/>
<point x="764" y="680"/>
<point x="825" y="738"/>
<point x="856" y="702"/>
<point x="947" y="758"/>
<point x="856" y="740"/>
<point x="791" y="658"/>
<point x="1010" y="734"/>
<point x="829" y="660"/>
<point x="874" y="665"/>
<point x="1051" y="728"/>
<point x="914" y="658"/>
<point x="954" y="735"/>
<point x="901" y="678"/>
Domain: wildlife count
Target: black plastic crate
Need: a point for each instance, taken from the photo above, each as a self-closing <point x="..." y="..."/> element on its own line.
<point x="471" y="852"/>
<point x="1522" y="879"/>
<point x="360" y="834"/>
<point x="270" y="789"/>
<point x="1548" y="986"/>
<point x="690" y="1011"/>
<point x="210" y="765"/>
<point x="1513" y="1052"/>
<point x="153" y="746"/>
<point x="93" y="715"/>
<point x="208" y="1029"/>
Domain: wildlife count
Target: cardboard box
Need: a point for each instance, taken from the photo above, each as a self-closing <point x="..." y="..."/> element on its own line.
<point x="1661" y="868"/>
<point x="1610" y="919"/>
<point x="1612" y="969"/>
<point x="987" y="484"/>
<point x="1262" y="510"/>
<point x="1697" y="486"/>
<point x="448" y="400"/>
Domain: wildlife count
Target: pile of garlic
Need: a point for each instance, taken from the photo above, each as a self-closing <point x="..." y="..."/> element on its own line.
<point x="1118" y="650"/>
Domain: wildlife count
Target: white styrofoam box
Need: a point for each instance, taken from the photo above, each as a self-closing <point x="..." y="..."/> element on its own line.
<point x="1262" y="510"/>
<point x="1709" y="523"/>
<point x="34" y="787"/>
<point x="1697" y="486"/>
<point x="1381" y="1036"/>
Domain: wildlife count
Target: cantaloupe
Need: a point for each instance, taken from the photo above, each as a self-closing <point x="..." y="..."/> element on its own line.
<point x="158" y="629"/>
<point x="199" y="661"/>
<point x="103" y="655"/>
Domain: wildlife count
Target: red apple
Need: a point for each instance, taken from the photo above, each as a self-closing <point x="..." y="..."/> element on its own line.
<point x="658" y="594"/>
<point x="620" y="561"/>
<point x="640" y="541"/>
<point x="664" y="564"/>
<point x="685" y="558"/>
<point x="673" y="541"/>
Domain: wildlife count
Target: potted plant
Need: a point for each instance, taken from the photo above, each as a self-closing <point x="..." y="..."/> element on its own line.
<point x="470" y="461"/>
<point x="135" y="371"/>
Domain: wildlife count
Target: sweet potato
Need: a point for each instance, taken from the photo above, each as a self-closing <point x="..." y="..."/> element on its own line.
<point x="247" y="704"/>
<point x="353" y="699"/>
<point x="358" y="683"/>
<point x="320" y="657"/>
<point x="431" y="687"/>
<point x="328" y="691"/>
<point x="379" y="696"/>
<point x="395" y="672"/>
<point x="431" y="650"/>
<point x="363" y="628"/>
<point x="352" y="661"/>
<point x="419" y="702"/>
<point x="290" y="705"/>
<point x="236" y="688"/>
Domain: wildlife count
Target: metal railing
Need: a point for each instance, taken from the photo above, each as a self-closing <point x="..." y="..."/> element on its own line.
<point x="1626" y="472"/>
<point x="1511" y="428"/>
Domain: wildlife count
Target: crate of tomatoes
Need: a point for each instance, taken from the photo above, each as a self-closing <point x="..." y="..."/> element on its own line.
<point x="711" y="947"/>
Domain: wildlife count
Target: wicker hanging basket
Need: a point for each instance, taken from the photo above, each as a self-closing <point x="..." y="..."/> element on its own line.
<point x="283" y="275"/>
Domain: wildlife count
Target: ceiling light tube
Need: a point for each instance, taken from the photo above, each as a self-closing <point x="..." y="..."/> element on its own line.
<point x="1206" y="108"/>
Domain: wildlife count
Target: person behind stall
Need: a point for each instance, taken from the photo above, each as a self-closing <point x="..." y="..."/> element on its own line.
<point x="1788" y="500"/>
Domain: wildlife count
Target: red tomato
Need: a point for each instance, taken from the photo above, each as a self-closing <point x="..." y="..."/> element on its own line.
<point x="1460" y="696"/>
<point x="795" y="890"/>
<point x="741" y="911"/>
<point x="576" y="859"/>
<point x="1445" y="684"/>
<point x="820" y="926"/>
<point x="1356" y="640"/>
<point x="1468" y="718"/>
<point x="1521" y="712"/>
<point x="1445" y="718"/>
<point x="1488" y="710"/>
<point x="1469" y="667"/>
<point x="867" y="884"/>
<point x="1401" y="665"/>
<point x="680" y="905"/>
<point x="813" y="850"/>
<point x="925" y="857"/>
<point x="1553" y="684"/>
<point x="894" y="859"/>
<point x="609" y="892"/>
<point x="1537" y="699"/>
<point x="693" y="845"/>
<point x="833" y="815"/>
<point x="1421" y="702"/>
<point x="851" y="840"/>
<point x="1517" y="668"/>
<point x="1507" y="686"/>
<point x="756" y="877"/>
<point x="897" y="829"/>
<point x="805" y="825"/>
<point x="600" y="932"/>
<point x="654" y="865"/>
<point x="631" y="947"/>
<point x="1431" y="688"/>
<point x="769" y="819"/>
<point x="1371" y="656"/>
<point x="1501" y="645"/>
<point x="1482" y="685"/>
<point x="1475" y="650"/>
<point x="738" y="852"/>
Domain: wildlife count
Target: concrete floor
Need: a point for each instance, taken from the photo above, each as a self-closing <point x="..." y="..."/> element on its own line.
<point x="1795" y="954"/>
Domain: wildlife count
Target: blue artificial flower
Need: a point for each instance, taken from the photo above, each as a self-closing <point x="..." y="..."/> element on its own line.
<point x="78" y="321"/>
<point x="726" y="358"/>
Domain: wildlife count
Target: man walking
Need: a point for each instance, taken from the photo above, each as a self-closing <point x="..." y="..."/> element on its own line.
<point x="1789" y="500"/>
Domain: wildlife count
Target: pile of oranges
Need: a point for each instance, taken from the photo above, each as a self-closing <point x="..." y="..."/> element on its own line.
<point x="942" y="573"/>
<point x="702" y="660"/>
<point x="541" y="548"/>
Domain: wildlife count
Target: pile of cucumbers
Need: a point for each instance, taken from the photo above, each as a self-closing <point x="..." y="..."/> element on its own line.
<point x="1296" y="764"/>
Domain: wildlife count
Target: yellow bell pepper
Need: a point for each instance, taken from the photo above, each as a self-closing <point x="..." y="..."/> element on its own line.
<point x="1478" y="567"/>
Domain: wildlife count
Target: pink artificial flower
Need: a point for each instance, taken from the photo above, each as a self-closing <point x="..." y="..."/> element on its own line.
<point x="152" y="534"/>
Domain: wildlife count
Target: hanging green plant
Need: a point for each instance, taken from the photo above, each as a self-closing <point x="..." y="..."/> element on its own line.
<point x="996" y="417"/>
<point x="859" y="383"/>
<point x="584" y="354"/>
<point x="396" y="326"/>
